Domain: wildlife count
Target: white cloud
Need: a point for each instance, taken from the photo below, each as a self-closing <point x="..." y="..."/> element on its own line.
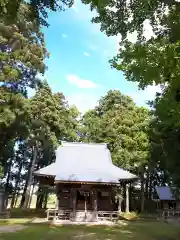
<point x="64" y="35"/>
<point x="86" y="54"/>
<point x="75" y="9"/>
<point x="83" y="101"/>
<point x="141" y="97"/>
<point x="79" y="82"/>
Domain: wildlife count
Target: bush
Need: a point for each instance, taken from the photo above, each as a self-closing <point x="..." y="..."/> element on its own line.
<point x="128" y="216"/>
<point x="27" y="213"/>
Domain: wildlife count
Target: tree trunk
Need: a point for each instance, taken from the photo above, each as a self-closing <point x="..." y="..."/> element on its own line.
<point x="7" y="182"/>
<point x="8" y="177"/>
<point x="142" y="192"/>
<point x="31" y="196"/>
<point x="127" y="197"/>
<point x="147" y="184"/>
<point x="16" y="185"/>
<point x="24" y="193"/>
<point x="16" y="199"/>
<point x="40" y="197"/>
<point x="130" y="197"/>
<point x="30" y="177"/>
<point x="150" y="187"/>
<point x="45" y="199"/>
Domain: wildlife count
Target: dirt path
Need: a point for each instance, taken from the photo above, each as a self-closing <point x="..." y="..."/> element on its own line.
<point x="11" y="228"/>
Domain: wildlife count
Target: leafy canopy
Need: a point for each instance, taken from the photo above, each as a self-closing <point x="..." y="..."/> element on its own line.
<point x="124" y="126"/>
<point x="38" y="9"/>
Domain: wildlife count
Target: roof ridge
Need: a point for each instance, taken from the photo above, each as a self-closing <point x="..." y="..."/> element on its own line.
<point x="82" y="143"/>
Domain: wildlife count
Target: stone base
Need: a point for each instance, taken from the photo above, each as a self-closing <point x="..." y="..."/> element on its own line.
<point x="81" y="216"/>
<point x="69" y="222"/>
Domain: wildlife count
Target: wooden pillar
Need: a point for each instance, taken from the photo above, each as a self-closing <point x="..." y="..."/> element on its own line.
<point x="57" y="196"/>
<point x="95" y="203"/>
<point x="57" y="202"/>
<point x="120" y="199"/>
<point x="127" y="198"/>
<point x="74" y="194"/>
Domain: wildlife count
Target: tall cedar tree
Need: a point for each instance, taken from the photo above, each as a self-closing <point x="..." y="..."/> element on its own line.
<point x="50" y="123"/>
<point x="22" y="53"/>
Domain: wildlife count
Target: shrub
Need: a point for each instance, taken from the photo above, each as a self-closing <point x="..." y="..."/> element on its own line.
<point x="128" y="216"/>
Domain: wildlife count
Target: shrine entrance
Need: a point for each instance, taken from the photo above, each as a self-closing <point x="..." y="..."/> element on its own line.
<point x="84" y="201"/>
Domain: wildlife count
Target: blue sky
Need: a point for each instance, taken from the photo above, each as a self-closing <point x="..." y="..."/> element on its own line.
<point x="78" y="65"/>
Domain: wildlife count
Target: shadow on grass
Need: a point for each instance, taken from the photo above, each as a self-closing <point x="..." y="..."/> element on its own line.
<point x="134" y="231"/>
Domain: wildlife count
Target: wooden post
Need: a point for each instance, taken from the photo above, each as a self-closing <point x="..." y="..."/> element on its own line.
<point x="85" y="207"/>
<point x="95" y="199"/>
<point x="57" y="196"/>
<point x="47" y="214"/>
<point x="74" y="204"/>
<point x="120" y="199"/>
<point x="127" y="198"/>
<point x="57" y="202"/>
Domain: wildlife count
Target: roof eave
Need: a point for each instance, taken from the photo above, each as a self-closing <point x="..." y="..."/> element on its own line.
<point x="42" y="174"/>
<point x="87" y="182"/>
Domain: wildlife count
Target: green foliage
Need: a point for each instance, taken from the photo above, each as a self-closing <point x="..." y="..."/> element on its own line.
<point x="166" y="150"/>
<point x="22" y="52"/>
<point x="118" y="122"/>
<point x="137" y="142"/>
<point x="146" y="62"/>
<point x="155" y="60"/>
<point x="38" y="9"/>
<point x="1" y="172"/>
<point x="50" y="118"/>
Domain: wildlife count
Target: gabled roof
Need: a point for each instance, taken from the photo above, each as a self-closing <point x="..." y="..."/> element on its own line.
<point x="165" y="193"/>
<point x="82" y="162"/>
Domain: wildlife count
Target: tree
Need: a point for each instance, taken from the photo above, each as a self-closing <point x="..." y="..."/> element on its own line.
<point x="50" y="122"/>
<point x="167" y="126"/>
<point x="21" y="161"/>
<point x="160" y="53"/>
<point x="22" y="53"/>
<point x="39" y="9"/>
<point x="118" y="122"/>
<point x="149" y="61"/>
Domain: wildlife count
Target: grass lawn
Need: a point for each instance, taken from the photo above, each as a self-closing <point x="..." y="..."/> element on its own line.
<point x="133" y="230"/>
<point x="14" y="221"/>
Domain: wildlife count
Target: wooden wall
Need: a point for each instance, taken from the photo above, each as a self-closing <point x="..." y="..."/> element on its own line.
<point x="45" y="180"/>
<point x="105" y="196"/>
<point x="164" y="205"/>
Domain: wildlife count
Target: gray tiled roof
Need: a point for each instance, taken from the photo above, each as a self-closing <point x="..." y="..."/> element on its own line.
<point x="85" y="163"/>
<point x="164" y="193"/>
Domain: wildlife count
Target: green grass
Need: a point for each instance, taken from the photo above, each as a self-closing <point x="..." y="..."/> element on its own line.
<point x="133" y="230"/>
<point x="27" y="213"/>
<point x="13" y="221"/>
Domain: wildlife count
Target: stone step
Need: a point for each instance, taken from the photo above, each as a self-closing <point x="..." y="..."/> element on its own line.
<point x="82" y="217"/>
